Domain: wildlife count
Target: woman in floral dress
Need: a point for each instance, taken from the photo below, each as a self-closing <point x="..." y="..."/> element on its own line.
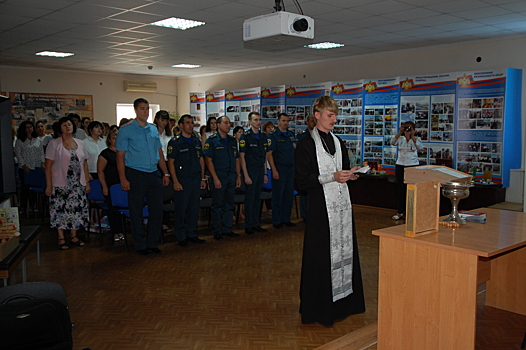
<point x="67" y="183"/>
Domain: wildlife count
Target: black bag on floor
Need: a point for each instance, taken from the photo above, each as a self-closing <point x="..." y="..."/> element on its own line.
<point x="34" y="316"/>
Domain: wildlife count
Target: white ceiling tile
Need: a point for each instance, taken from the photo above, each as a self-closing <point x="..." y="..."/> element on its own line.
<point x="517" y="6"/>
<point x="412" y="14"/>
<point x="384" y="7"/>
<point x="512" y="25"/>
<point x="398" y="27"/>
<point x="11" y="9"/>
<point x="425" y="2"/>
<point x="96" y="30"/>
<point x="458" y="26"/>
<point x="437" y="20"/>
<point x="458" y="6"/>
<point x="515" y="17"/>
<point x="477" y="13"/>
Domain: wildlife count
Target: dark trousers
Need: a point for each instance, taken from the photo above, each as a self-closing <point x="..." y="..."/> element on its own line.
<point x="401" y="187"/>
<point x="186" y="204"/>
<point x="145" y="185"/>
<point x="222" y="209"/>
<point x="282" y="194"/>
<point x="253" y="196"/>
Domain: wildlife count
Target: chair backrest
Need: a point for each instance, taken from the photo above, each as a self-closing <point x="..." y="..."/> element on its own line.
<point x="268" y="185"/>
<point x="34" y="178"/>
<point x="96" y="191"/>
<point x="119" y="198"/>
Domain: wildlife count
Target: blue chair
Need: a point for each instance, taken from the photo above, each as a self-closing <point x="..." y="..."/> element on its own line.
<point x="36" y="181"/>
<point x="119" y="201"/>
<point x="96" y="200"/>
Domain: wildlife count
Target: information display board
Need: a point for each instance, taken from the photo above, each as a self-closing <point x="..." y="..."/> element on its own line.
<point x="198" y="108"/>
<point x="215" y="104"/>
<point x="429" y="102"/>
<point x="381" y="98"/>
<point x="239" y="104"/>
<point x="489" y="114"/>
<point x="48" y="108"/>
<point x="349" y="123"/>
<point x="272" y="103"/>
<point x="299" y="101"/>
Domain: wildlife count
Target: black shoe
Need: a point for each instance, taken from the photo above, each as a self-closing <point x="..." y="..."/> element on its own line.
<point x="290" y="224"/>
<point x="144" y="252"/>
<point x="184" y="243"/>
<point x="196" y="240"/>
<point x="249" y="231"/>
<point x="231" y="234"/>
<point x="218" y="237"/>
<point x="259" y="229"/>
<point x="155" y="251"/>
<point x="278" y="226"/>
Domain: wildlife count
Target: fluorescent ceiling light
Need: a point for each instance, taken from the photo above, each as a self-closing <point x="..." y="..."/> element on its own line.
<point x="184" y="65"/>
<point x="54" y="54"/>
<point x="324" y="46"/>
<point x="178" y="23"/>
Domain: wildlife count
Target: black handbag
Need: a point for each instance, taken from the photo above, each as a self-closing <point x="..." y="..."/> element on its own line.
<point x="29" y="322"/>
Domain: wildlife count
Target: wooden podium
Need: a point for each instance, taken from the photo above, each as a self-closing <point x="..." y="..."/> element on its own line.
<point x="427" y="286"/>
<point x="423" y="196"/>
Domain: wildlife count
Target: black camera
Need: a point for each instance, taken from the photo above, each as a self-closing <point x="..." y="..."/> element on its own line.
<point x="408" y="128"/>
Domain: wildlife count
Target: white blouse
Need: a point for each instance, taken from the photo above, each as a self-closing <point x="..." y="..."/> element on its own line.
<point x="94" y="149"/>
<point x="407" y="150"/>
<point x="164" y="144"/>
<point x="29" y="153"/>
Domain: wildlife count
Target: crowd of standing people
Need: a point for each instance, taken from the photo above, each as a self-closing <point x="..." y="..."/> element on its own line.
<point x="144" y="159"/>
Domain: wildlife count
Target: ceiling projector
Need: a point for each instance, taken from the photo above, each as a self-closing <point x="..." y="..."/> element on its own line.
<point x="278" y="31"/>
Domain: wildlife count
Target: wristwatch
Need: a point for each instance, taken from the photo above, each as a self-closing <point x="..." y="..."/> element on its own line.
<point x="167" y="175"/>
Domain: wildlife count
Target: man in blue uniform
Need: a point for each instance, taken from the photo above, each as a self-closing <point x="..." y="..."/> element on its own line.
<point x="311" y="123"/>
<point x="253" y="152"/>
<point x="222" y="161"/>
<point x="281" y="145"/>
<point x="139" y="153"/>
<point x="187" y="168"/>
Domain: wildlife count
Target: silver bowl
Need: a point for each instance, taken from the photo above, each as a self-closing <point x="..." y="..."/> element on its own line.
<point x="455" y="191"/>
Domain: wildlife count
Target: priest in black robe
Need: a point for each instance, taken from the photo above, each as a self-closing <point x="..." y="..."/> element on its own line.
<point x="331" y="280"/>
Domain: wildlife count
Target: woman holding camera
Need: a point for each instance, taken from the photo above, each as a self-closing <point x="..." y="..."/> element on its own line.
<point x="408" y="146"/>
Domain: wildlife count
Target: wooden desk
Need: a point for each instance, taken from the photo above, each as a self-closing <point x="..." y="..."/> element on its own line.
<point x="427" y="285"/>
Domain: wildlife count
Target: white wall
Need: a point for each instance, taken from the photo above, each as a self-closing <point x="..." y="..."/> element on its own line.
<point x="107" y="89"/>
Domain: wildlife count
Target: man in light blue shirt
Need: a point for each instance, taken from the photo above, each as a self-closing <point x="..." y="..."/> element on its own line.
<point x="139" y="158"/>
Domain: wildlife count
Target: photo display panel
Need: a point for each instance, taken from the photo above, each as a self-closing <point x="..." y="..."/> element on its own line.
<point x="381" y="99"/>
<point x="239" y="104"/>
<point x="215" y="103"/>
<point x="349" y="122"/>
<point x="198" y="108"/>
<point x="272" y="103"/>
<point x="48" y="108"/>
<point x="488" y="108"/>
<point x="429" y="102"/>
<point x="299" y="101"/>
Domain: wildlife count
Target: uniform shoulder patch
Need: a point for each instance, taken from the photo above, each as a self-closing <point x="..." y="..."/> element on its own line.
<point x="170" y="149"/>
<point x="207" y="146"/>
<point x="242" y="143"/>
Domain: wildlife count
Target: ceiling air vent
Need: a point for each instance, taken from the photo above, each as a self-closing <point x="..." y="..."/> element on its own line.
<point x="139" y="86"/>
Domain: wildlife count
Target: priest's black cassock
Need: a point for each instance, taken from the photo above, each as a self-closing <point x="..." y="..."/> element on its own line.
<point x="316" y="286"/>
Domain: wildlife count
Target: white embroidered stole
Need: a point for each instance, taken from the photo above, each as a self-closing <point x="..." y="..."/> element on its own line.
<point x="339" y="212"/>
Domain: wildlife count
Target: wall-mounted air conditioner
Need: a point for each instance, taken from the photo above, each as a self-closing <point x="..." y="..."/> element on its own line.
<point x="140" y="86"/>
